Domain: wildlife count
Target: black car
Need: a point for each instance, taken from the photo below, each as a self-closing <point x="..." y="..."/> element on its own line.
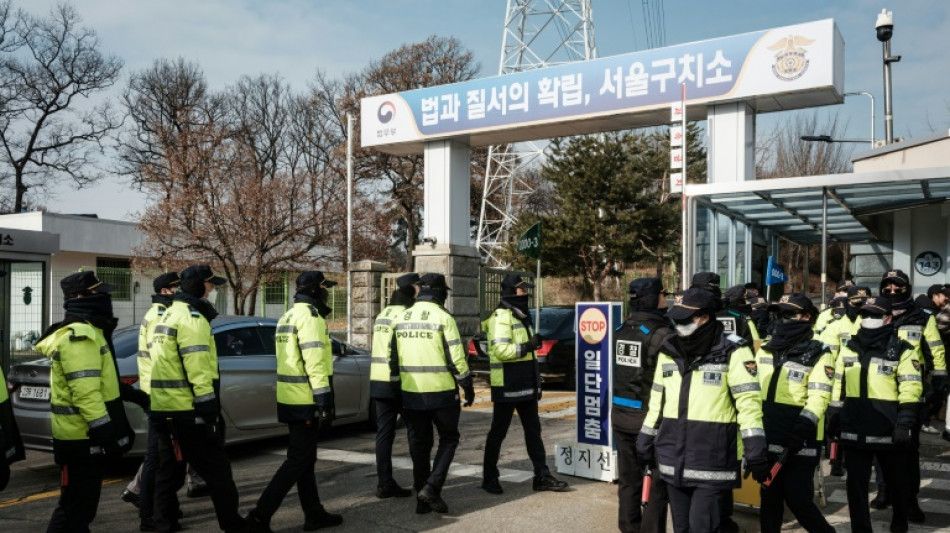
<point x="556" y="354"/>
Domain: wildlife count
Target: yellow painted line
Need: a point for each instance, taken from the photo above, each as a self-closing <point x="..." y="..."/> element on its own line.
<point x="44" y="495"/>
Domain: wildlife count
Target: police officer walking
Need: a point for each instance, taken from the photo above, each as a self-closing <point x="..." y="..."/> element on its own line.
<point x="796" y="373"/>
<point x="384" y="385"/>
<point x="304" y="396"/>
<point x="186" y="404"/>
<point x="515" y="384"/>
<point x="637" y="346"/>
<point x="140" y="491"/>
<point x="11" y="446"/>
<point x="431" y="363"/>
<point x="918" y="326"/>
<point x="88" y="420"/>
<point x="705" y="393"/>
<point x="874" y="409"/>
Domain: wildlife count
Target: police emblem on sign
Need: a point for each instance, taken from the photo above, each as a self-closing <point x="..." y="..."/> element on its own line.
<point x="628" y="353"/>
<point x="790" y="61"/>
<point x="751" y="368"/>
<point x="830" y="372"/>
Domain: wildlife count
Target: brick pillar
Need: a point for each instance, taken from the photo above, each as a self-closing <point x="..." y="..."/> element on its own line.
<point x="366" y="294"/>
<point x="459" y="265"/>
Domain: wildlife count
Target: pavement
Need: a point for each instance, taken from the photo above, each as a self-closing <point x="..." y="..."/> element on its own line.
<point x="346" y="479"/>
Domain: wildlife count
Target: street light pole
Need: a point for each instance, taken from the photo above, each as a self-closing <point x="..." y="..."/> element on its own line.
<point x="871" y="96"/>
<point x="350" y="119"/>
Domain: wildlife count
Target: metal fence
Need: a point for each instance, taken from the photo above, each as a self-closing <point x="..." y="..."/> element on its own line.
<point x="489" y="289"/>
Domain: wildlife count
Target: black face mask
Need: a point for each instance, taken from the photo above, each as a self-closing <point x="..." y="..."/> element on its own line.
<point x="317" y="298"/>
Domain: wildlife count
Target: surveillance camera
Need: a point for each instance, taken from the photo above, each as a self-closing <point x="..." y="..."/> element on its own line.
<point x="885" y="25"/>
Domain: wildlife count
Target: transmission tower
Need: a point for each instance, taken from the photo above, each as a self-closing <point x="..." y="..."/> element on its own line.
<point x="538" y="34"/>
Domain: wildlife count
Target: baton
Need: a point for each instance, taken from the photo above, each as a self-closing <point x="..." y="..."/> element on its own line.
<point x="776" y="467"/>
<point x="834" y="450"/>
<point x="647" y="483"/>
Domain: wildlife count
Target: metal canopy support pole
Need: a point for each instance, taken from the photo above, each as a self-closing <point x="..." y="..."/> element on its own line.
<point x="349" y="227"/>
<point x="824" y="245"/>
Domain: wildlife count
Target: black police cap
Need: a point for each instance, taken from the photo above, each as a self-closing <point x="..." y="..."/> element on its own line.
<point x="705" y="280"/>
<point x="433" y="281"/>
<point x="83" y="282"/>
<point x="795" y="302"/>
<point x="168" y="280"/>
<point x="843" y="285"/>
<point x="897" y="277"/>
<point x="202" y="273"/>
<point x="514" y="281"/>
<point x="645" y="287"/>
<point x="692" y="301"/>
<point x="938" y="289"/>
<point x="877" y="306"/>
<point x="313" y="279"/>
<point x="406" y="280"/>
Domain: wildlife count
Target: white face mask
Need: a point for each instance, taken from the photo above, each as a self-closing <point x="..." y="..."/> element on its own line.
<point x="212" y="296"/>
<point x="872" y="323"/>
<point x="685" y="330"/>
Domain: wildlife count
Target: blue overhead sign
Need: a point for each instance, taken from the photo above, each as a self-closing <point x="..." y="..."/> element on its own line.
<point x="794" y="59"/>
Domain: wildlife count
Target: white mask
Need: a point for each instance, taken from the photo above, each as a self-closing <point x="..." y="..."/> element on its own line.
<point x="685" y="330"/>
<point x="872" y="323"/>
<point x="212" y="296"/>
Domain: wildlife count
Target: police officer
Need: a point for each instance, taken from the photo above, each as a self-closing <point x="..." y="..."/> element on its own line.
<point x="515" y="384"/>
<point x="431" y="364"/>
<point x="89" y="424"/>
<point x="637" y="346"/>
<point x="11" y="446"/>
<point x="918" y="326"/>
<point x="761" y="316"/>
<point x="828" y="315"/>
<point x="705" y="393"/>
<point x="739" y="307"/>
<point x="874" y="409"/>
<point x="140" y="490"/>
<point x="384" y="385"/>
<point x="186" y="404"/>
<point x="796" y="373"/>
<point x="304" y="394"/>
<point x="732" y="320"/>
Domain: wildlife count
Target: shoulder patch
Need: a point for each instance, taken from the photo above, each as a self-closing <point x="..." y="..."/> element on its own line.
<point x="751" y="367"/>
<point x="830" y="372"/>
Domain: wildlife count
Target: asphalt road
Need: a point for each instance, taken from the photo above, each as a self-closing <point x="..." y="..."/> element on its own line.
<point x="346" y="478"/>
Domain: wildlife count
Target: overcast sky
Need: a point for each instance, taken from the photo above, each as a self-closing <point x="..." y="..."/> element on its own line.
<point x="295" y="38"/>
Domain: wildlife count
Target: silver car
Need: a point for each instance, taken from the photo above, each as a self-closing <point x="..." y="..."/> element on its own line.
<point x="248" y="369"/>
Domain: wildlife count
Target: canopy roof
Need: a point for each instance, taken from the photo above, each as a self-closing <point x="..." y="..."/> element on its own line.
<point x="792" y="207"/>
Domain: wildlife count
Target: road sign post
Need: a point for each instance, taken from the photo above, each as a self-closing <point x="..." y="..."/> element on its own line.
<point x="529" y="244"/>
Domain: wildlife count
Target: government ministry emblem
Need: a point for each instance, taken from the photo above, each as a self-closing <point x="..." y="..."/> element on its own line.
<point x="790" y="61"/>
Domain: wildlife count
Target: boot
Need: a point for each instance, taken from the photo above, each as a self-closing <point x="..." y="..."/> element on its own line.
<point x="391" y="491"/>
<point x="914" y="513"/>
<point x="256" y="524"/>
<point x="429" y="495"/>
<point x="492" y="486"/>
<point x="548" y="482"/>
<point x="321" y="520"/>
<point x="882" y="500"/>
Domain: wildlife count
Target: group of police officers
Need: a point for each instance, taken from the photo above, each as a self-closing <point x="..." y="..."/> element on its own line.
<point x="714" y="386"/>
<point x="718" y="388"/>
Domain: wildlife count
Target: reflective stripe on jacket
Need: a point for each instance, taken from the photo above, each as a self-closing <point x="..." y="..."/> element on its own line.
<point x="429" y="355"/>
<point x="184" y="362"/>
<point x="921" y="325"/>
<point x="383" y="382"/>
<point x="795" y="384"/>
<point x="149" y="322"/>
<point x="514" y="368"/>
<point x="304" y="364"/>
<point x="697" y="413"/>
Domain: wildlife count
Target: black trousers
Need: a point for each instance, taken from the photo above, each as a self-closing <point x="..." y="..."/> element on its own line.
<point x="695" y="509"/>
<point x="78" y="496"/>
<point x="631" y="519"/>
<point x="446" y="422"/>
<point x="387" y="412"/>
<point x="149" y="470"/>
<point x="793" y="485"/>
<point x="858" y="465"/>
<point x="500" y="422"/>
<point x="297" y="469"/>
<point x="203" y="449"/>
<point x="911" y="468"/>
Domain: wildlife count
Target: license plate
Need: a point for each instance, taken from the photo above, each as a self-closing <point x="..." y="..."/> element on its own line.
<point x="28" y="392"/>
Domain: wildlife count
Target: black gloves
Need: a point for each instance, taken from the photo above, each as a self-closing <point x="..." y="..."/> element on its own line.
<point x="645" y="450"/>
<point x="208" y="410"/>
<point x="803" y="431"/>
<point x="536" y="341"/>
<point x="469" y="390"/>
<point x="759" y="467"/>
<point x="833" y="422"/>
<point x="102" y="435"/>
<point x="902" y="435"/>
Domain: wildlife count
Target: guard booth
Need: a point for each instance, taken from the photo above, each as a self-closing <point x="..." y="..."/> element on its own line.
<point x="891" y="210"/>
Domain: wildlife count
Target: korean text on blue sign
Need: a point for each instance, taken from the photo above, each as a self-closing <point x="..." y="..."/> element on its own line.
<point x="593" y="372"/>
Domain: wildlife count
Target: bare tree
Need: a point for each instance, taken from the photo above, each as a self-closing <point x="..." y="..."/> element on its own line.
<point x="235" y="177"/>
<point x="50" y="69"/>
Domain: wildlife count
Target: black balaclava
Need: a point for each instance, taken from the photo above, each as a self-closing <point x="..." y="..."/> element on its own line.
<point x="315" y="296"/>
<point x="199" y="304"/>
<point x="405" y="296"/>
<point x="163" y="299"/>
<point x="518" y="304"/>
<point x="429" y="294"/>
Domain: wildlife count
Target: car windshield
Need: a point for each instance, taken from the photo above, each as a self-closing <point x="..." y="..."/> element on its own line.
<point x="556" y="323"/>
<point x="126" y="342"/>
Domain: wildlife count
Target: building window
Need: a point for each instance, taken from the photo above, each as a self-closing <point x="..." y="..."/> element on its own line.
<point x="116" y="272"/>
<point x="274" y="293"/>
